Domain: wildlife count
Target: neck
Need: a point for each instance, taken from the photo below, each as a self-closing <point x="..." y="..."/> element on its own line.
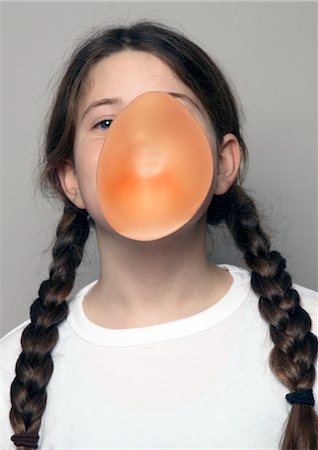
<point x="149" y="282"/>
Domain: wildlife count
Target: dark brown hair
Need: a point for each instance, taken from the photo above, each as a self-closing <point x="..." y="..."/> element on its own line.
<point x="295" y="347"/>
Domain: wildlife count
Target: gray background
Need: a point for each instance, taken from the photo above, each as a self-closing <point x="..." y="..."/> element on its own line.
<point x="269" y="52"/>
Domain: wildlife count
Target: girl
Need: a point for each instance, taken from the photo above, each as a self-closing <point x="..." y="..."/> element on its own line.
<point x="165" y="349"/>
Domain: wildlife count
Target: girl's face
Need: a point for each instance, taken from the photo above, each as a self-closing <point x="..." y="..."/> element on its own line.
<point x="120" y="77"/>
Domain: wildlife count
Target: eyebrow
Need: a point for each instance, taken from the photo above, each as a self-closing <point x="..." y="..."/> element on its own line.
<point x="118" y="101"/>
<point x="185" y="97"/>
<point x="102" y="101"/>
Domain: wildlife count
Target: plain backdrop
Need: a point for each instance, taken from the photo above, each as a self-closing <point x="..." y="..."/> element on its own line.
<point x="268" y="51"/>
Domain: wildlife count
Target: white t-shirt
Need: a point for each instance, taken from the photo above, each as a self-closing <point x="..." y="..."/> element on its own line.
<point x="201" y="382"/>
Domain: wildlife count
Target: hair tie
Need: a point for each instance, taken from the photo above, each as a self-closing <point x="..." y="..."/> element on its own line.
<point x="301" y="397"/>
<point x="26" y="439"/>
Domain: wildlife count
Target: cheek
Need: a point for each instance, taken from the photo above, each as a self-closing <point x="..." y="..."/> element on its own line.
<point x="86" y="156"/>
<point x="205" y="123"/>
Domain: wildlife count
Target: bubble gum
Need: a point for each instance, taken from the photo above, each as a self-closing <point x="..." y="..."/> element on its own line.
<point x="155" y="168"/>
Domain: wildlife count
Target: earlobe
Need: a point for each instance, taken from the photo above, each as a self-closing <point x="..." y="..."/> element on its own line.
<point x="228" y="163"/>
<point x="68" y="179"/>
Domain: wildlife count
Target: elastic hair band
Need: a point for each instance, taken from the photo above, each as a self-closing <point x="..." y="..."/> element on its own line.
<point x="301" y="397"/>
<point x="26" y="439"/>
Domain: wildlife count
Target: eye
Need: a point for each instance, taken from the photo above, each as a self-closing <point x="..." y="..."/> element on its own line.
<point x="103" y="124"/>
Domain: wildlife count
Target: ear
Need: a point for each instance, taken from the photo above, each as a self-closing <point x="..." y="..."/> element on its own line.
<point x="68" y="179"/>
<point x="228" y="163"/>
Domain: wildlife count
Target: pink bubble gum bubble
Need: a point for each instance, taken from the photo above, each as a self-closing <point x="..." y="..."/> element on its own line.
<point x="155" y="168"/>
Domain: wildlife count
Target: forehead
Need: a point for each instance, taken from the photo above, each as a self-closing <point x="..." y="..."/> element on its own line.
<point x="129" y="73"/>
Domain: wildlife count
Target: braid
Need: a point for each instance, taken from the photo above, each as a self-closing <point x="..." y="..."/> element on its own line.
<point x="295" y="347"/>
<point x="34" y="366"/>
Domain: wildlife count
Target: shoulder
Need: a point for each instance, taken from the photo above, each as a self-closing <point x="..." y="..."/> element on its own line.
<point x="309" y="302"/>
<point x="10" y="347"/>
<point x="308" y="297"/>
